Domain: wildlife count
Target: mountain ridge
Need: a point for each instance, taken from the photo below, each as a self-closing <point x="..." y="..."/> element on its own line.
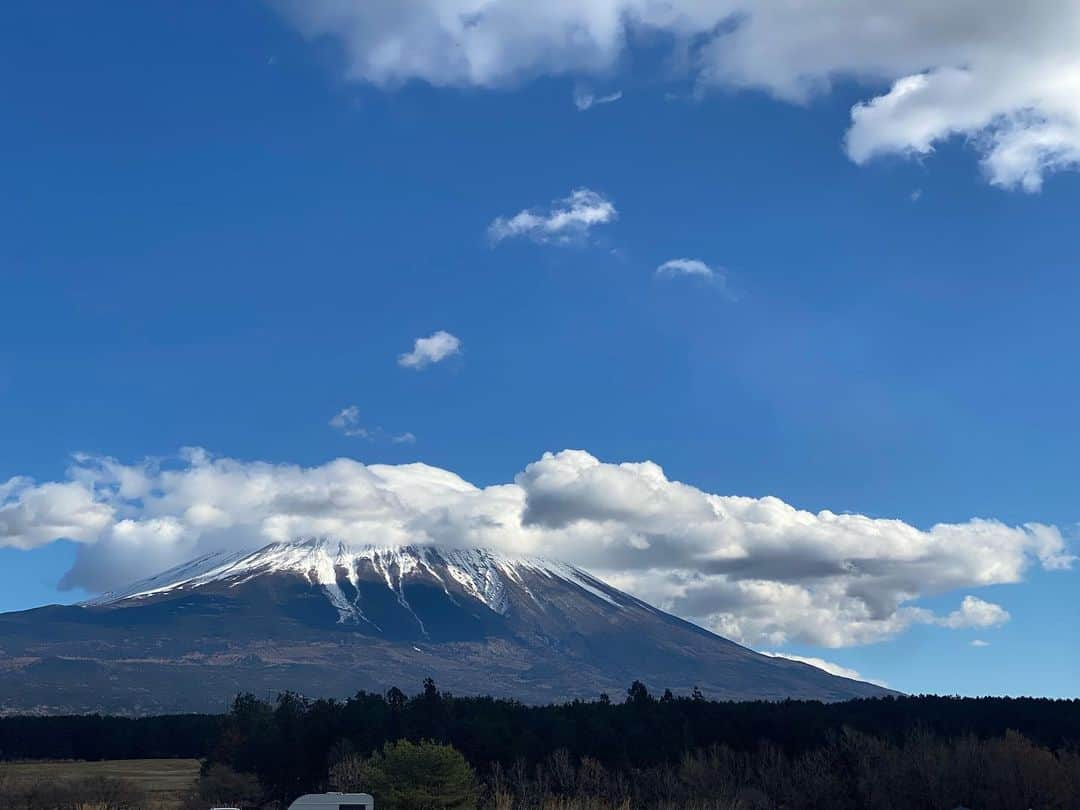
<point x="322" y="617"/>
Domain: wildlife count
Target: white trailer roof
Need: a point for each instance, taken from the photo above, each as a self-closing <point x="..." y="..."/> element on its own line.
<point x="334" y="801"/>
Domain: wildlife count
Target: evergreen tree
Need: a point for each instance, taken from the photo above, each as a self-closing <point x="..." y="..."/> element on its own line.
<point x="418" y="776"/>
<point x="637" y="694"/>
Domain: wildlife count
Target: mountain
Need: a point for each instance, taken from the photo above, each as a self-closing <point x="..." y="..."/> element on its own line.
<point x="324" y="618"/>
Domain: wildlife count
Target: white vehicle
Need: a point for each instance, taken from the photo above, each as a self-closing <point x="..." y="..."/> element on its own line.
<point x="334" y="801"/>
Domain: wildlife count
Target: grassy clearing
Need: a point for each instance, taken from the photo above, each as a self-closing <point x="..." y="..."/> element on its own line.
<point x="164" y="780"/>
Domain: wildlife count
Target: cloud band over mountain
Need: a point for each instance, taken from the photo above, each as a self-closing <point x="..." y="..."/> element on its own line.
<point x="754" y="569"/>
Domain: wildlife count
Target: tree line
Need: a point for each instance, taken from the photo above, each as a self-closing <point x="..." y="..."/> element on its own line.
<point x="634" y="750"/>
<point x="96" y="737"/>
<point x="288" y="744"/>
<point x="636" y="729"/>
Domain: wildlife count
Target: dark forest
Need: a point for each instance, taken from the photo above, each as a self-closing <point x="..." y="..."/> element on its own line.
<point x="291" y="744"/>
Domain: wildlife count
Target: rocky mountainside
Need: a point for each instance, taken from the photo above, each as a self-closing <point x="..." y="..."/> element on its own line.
<point x="326" y="619"/>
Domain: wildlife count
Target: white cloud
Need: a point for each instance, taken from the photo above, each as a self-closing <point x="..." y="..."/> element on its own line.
<point x="690" y="268"/>
<point x="828" y="666"/>
<point x="978" y="642"/>
<point x="347" y="420"/>
<point x="432" y="349"/>
<point x="585" y="99"/>
<point x="1004" y="75"/>
<point x="975" y="612"/>
<point x="33" y="515"/>
<point x="754" y="569"/>
<point x="567" y="221"/>
<point x="481" y="43"/>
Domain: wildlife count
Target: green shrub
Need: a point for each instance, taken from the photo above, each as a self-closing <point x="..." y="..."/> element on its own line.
<point x="410" y="776"/>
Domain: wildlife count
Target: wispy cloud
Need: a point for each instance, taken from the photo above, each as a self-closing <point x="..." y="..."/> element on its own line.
<point x="980" y="643"/>
<point x="565" y="221"/>
<point x="695" y="269"/>
<point x="347" y="420"/>
<point x="586" y="100"/>
<point x="687" y="267"/>
<point x="429" y="350"/>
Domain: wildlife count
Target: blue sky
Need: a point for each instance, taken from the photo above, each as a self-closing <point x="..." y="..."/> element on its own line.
<point x="218" y="232"/>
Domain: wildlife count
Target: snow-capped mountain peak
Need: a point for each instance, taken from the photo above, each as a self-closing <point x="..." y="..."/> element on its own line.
<point x="338" y="567"/>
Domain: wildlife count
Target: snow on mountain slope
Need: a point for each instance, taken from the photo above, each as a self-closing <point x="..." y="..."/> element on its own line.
<point x="484" y="575"/>
<point x="170" y="579"/>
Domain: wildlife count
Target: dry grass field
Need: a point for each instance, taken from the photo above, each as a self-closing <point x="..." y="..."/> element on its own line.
<point x="163" y="780"/>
